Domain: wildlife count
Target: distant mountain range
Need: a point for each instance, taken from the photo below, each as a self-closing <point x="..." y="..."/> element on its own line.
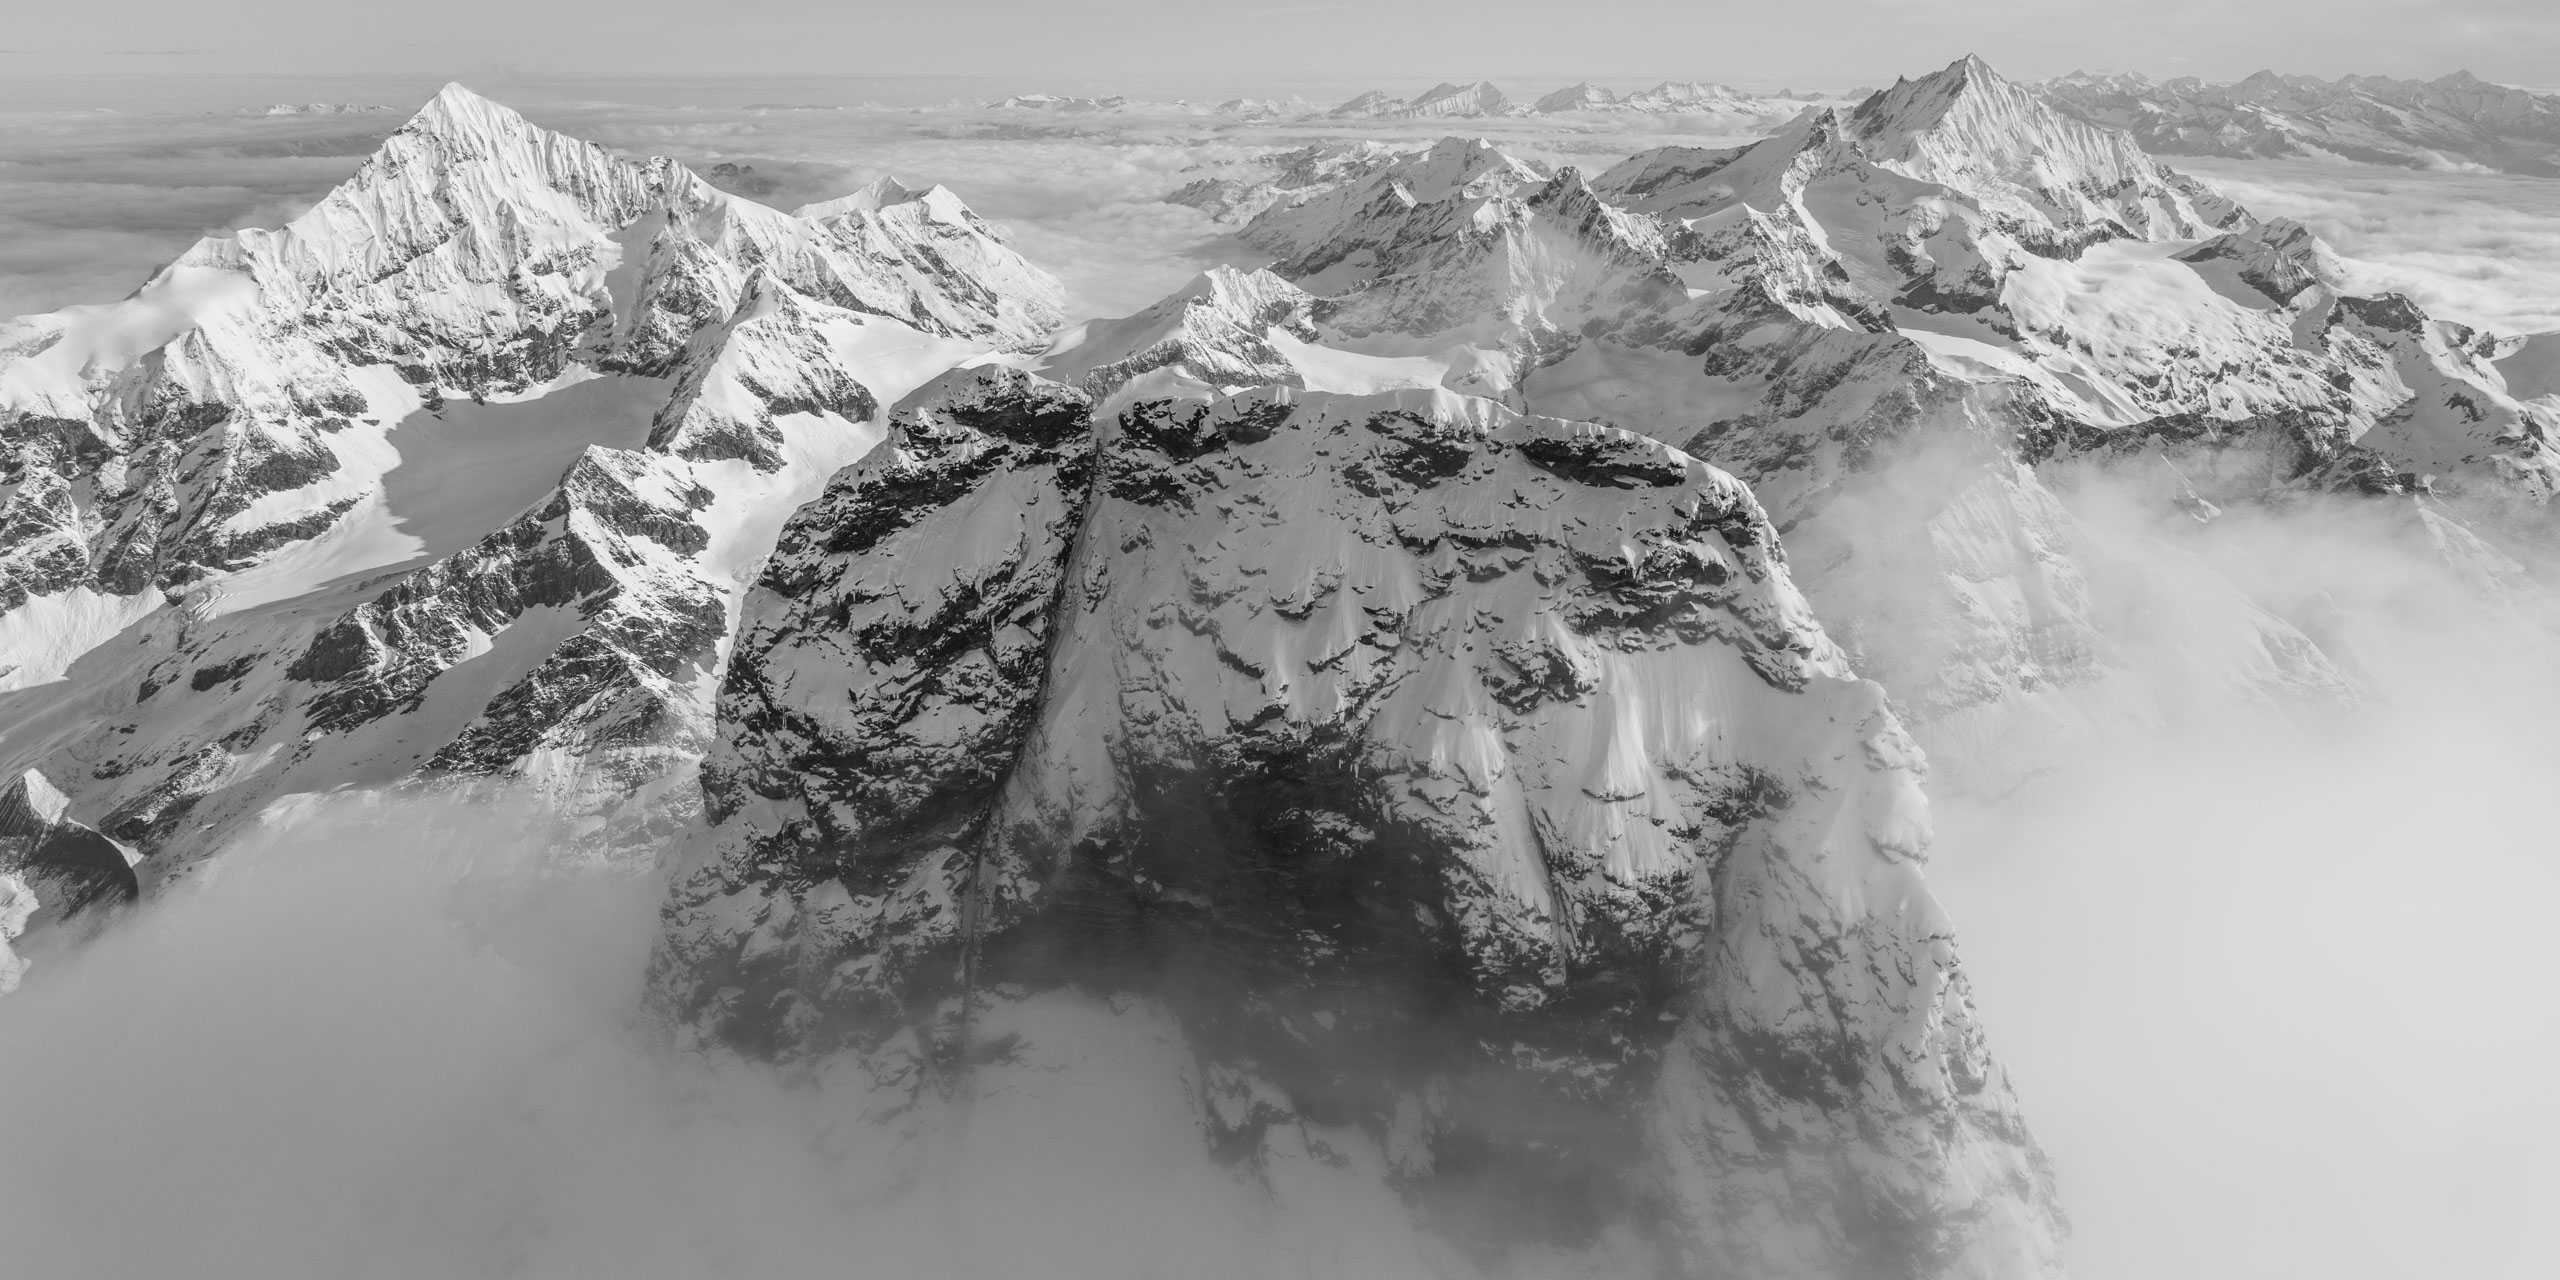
<point x="2455" y="121"/>
<point x="1466" y="693"/>
<point x="1475" y="101"/>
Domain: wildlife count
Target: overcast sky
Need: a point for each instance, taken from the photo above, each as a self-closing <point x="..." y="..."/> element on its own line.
<point x="1252" y="46"/>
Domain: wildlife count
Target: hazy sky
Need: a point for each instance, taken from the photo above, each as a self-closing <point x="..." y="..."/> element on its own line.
<point x="1205" y="47"/>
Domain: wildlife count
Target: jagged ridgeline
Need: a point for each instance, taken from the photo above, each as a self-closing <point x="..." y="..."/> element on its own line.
<point x="1465" y="686"/>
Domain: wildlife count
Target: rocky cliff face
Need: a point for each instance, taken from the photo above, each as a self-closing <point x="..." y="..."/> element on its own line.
<point x="1474" y="789"/>
<point x="58" y="868"/>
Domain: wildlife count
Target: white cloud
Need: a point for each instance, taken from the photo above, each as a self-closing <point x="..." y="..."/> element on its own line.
<point x="2480" y="248"/>
<point x="381" y="1043"/>
<point x="2275" y="992"/>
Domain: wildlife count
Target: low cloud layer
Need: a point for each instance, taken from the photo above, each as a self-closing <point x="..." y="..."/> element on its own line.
<point x="2476" y="247"/>
<point x="2278" y="1001"/>
<point x="385" y="1043"/>
<point x="2276" y="991"/>
<point x="91" y="205"/>
<point x="2275" y="995"/>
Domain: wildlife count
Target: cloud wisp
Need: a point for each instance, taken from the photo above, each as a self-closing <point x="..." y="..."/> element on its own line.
<point x="2275" y="996"/>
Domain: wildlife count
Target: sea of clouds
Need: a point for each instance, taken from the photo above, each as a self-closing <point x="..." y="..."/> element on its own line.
<point x="2481" y="248"/>
<point x="2275" y="989"/>
<point x="2279" y="1002"/>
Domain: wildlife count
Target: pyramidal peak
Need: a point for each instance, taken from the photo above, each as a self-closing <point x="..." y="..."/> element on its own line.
<point x="1457" y="163"/>
<point x="1968" y="127"/>
<point x="1480" y="98"/>
<point x="457" y="107"/>
<point x="1971" y="65"/>
<point x="460" y="124"/>
<point x="461" y="161"/>
<point x="872" y="197"/>
<point x="1579" y="97"/>
<point x="1966" y="85"/>
<point x="258" y="408"/>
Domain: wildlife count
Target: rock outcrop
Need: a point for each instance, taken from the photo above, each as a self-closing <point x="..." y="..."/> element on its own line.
<point x="1473" y="789"/>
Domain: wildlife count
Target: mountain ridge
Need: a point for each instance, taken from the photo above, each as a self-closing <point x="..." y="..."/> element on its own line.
<point x="1488" y="666"/>
<point x="1916" y="265"/>
<point x="2452" y="121"/>
<point x="476" y="272"/>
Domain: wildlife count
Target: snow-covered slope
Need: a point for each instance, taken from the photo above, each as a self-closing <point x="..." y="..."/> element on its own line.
<point x="1901" y="323"/>
<point x="1342" y="227"/>
<point x="1237" y="193"/>
<point x="458" y="474"/>
<point x="2454" y="121"/>
<point x="1229" y="329"/>
<point x="1474" y="789"/>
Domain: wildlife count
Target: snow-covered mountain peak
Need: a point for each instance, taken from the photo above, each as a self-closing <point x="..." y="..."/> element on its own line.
<point x="889" y="202"/>
<point x="2374" y="119"/>
<point x="1964" y="106"/>
<point x="1478" y="99"/>
<point x="1367" y="103"/>
<point x="486" y="148"/>
<point x="1698" y="96"/>
<point x="1585" y="96"/>
<point x="469" y="184"/>
<point x="501" y="398"/>
<point x="2105" y="79"/>
<point x="1444" y="100"/>
<point x="1964" y="98"/>
<point x="1214" y="334"/>
<point x="873" y="196"/>
<point x="1967" y="127"/>
<point x="1965" y="93"/>
<point x="457" y="110"/>
<point x="1281" y="178"/>
<point x="1472" y="167"/>
<point x="1348" y="224"/>
<point x="1954" y="265"/>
